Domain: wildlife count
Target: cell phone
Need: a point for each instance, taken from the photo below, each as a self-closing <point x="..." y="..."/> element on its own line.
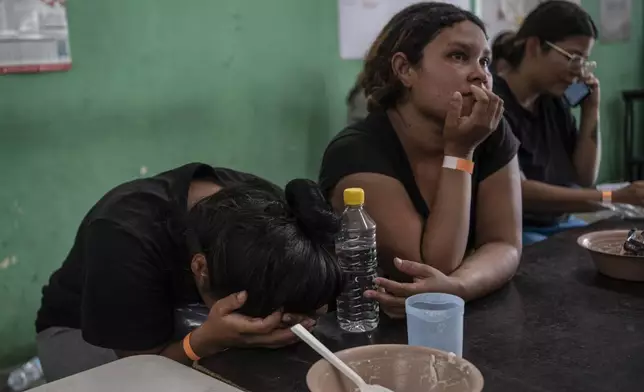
<point x="576" y="93"/>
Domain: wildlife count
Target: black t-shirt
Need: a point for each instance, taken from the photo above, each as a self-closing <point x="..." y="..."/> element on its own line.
<point x="372" y="146"/>
<point x="129" y="267"/>
<point x="548" y="139"/>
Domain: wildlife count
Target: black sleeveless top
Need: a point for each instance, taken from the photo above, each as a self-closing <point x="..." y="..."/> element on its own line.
<point x="372" y="146"/>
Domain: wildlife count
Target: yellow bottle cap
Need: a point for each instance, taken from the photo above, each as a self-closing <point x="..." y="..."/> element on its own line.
<point x="353" y="196"/>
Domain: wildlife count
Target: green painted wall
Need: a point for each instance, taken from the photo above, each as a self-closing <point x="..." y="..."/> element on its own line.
<point x="620" y="66"/>
<point x="155" y="83"/>
<point x="255" y="85"/>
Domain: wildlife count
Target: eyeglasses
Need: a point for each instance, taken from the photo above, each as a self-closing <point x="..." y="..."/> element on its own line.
<point x="576" y="63"/>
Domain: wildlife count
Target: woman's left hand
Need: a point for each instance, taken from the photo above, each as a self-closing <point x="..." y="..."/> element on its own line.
<point x="392" y="294"/>
<point x="592" y="102"/>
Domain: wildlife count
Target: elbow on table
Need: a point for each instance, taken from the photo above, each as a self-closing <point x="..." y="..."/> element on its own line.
<point x="508" y="258"/>
<point x="447" y="264"/>
<point x="514" y="259"/>
<point x="489" y="269"/>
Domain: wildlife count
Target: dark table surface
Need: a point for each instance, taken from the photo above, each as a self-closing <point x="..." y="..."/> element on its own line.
<point x="558" y="326"/>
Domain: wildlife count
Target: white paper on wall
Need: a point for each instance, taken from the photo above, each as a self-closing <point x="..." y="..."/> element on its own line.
<point x="360" y="21"/>
<point x="33" y="36"/>
<point x="615" y="20"/>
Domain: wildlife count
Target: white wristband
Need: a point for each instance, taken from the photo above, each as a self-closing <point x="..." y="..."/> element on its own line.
<point x="456" y="163"/>
<point x="607" y="197"/>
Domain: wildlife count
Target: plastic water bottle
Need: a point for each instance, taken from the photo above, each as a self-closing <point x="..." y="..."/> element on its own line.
<point x="25" y="376"/>
<point x="355" y="247"/>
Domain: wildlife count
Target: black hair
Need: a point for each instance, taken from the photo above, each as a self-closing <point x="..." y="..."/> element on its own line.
<point x="551" y="21"/>
<point x="409" y="31"/>
<point x="276" y="245"/>
<point x="500" y="48"/>
<point x="355" y="90"/>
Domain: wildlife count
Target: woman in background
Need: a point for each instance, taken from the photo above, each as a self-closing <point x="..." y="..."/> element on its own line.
<point x="260" y="258"/>
<point x="499" y="52"/>
<point x="559" y="161"/>
<point x="435" y="159"/>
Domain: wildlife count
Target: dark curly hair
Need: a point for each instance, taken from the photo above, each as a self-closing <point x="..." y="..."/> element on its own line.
<point x="407" y="32"/>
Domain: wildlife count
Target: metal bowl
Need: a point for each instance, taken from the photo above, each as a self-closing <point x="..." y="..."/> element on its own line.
<point x="604" y="247"/>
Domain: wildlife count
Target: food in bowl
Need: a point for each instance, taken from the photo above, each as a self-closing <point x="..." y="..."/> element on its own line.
<point x="400" y="368"/>
<point x="608" y="253"/>
<point x="630" y="244"/>
<point x="634" y="244"/>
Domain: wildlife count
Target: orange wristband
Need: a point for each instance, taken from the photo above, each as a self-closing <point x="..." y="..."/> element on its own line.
<point x="607" y="196"/>
<point x="187" y="348"/>
<point x="458" y="164"/>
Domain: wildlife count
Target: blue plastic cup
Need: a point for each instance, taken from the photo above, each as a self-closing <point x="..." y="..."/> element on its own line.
<point x="435" y="320"/>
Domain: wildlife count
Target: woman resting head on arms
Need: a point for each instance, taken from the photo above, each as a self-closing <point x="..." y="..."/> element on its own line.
<point x="428" y="84"/>
<point x="260" y="258"/>
<point x="559" y="160"/>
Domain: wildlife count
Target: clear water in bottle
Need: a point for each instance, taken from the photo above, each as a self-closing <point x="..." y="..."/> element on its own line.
<point x="356" y="250"/>
<point x="26" y="375"/>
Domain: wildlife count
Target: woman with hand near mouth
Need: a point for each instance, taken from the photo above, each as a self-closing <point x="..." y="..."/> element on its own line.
<point x="558" y="159"/>
<point x="435" y="158"/>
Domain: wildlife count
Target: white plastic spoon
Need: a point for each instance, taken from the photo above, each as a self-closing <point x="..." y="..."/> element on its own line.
<point x="321" y="349"/>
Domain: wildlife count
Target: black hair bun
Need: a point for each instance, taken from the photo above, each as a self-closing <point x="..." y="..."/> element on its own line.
<point x="313" y="213"/>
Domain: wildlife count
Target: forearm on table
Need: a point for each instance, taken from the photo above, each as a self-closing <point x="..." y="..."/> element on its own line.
<point x="489" y="268"/>
<point x="446" y="230"/>
<point x="175" y="351"/>
<point x="587" y="155"/>
<point x="541" y="197"/>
